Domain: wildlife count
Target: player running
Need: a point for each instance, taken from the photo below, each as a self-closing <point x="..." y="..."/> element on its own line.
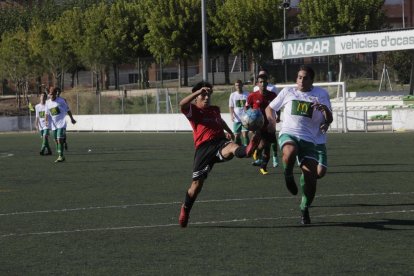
<point x="260" y="100"/>
<point x="304" y="107"/>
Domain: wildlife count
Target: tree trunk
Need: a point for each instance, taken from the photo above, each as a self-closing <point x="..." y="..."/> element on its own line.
<point x="116" y="75"/>
<point x="226" y="68"/>
<point x="185" y="72"/>
<point x="105" y="78"/>
<point x="179" y="73"/>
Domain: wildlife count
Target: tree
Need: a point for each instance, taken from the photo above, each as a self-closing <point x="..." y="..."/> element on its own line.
<point x="174" y="30"/>
<point x="248" y="26"/>
<point x="402" y="63"/>
<point x="125" y="30"/>
<point x="85" y="31"/>
<point x="17" y="61"/>
<point x="52" y="49"/>
<point x="69" y="29"/>
<point x="327" y="17"/>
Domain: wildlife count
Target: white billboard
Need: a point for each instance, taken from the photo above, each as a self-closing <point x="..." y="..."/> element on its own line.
<point x="344" y="44"/>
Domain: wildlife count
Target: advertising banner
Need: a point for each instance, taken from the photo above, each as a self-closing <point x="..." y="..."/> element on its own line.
<point x="344" y="44"/>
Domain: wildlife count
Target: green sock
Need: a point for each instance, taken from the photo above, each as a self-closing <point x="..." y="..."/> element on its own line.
<point x="273" y="147"/>
<point x="308" y="193"/>
<point x="60" y="149"/>
<point x="245" y="140"/>
<point x="304" y="202"/>
<point x="238" y="140"/>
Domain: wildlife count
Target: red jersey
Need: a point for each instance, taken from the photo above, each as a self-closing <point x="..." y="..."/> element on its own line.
<point x="206" y="123"/>
<point x="257" y="100"/>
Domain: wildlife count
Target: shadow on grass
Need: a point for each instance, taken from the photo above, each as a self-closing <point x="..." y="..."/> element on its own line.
<point x="362" y="205"/>
<point x="385" y="225"/>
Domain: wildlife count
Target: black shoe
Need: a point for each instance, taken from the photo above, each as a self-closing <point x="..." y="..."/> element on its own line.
<point x="49" y="152"/>
<point x="291" y="184"/>
<point x="305" y="219"/>
<point x="42" y="152"/>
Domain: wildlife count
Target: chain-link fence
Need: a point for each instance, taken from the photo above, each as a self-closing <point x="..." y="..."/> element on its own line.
<point x="124" y="102"/>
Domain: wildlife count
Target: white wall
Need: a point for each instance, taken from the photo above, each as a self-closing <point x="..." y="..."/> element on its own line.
<point x="402" y="120"/>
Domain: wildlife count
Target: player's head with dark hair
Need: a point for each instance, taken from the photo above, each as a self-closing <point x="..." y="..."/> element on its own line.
<point x="238" y="84"/>
<point x="201" y="84"/>
<point x="262" y="76"/>
<point x="308" y="70"/>
<point x="43" y="97"/>
<point x="53" y="92"/>
<point x="261" y="82"/>
<point x="304" y="79"/>
<point x="263" y="71"/>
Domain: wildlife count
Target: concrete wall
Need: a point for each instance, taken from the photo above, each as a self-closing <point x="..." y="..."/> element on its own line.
<point x="402" y="120"/>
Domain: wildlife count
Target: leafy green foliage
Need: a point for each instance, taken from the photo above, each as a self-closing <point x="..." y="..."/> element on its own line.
<point x="325" y="17"/>
<point x="401" y="62"/>
<point x="174" y="28"/>
<point x="248" y="26"/>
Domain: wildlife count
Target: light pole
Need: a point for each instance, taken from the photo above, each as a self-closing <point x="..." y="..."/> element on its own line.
<point x="285" y="6"/>
<point x="204" y="40"/>
<point x="403" y="13"/>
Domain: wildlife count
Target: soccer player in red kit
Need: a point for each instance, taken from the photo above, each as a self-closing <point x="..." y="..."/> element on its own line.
<point x="212" y="144"/>
<point x="260" y="100"/>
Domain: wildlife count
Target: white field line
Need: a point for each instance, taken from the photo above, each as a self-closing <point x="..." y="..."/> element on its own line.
<point x="5" y="154"/>
<point x="121" y="228"/>
<point x="198" y="201"/>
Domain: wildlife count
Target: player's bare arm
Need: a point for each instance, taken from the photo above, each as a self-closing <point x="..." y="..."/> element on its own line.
<point x="270" y="114"/>
<point x="229" y="132"/>
<point x="185" y="103"/>
<point x="71" y="117"/>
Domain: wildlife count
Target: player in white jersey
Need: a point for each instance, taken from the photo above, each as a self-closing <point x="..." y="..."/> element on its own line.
<point x="57" y="109"/>
<point x="272" y="88"/>
<point x="303" y="116"/>
<point x="237" y="101"/>
<point x="40" y="124"/>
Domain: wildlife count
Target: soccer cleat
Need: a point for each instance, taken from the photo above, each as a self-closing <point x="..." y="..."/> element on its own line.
<point x="291" y="184"/>
<point x="263" y="171"/>
<point x="60" y="159"/>
<point x="257" y="163"/>
<point x="254" y="143"/>
<point x="305" y="219"/>
<point x="184" y="216"/>
<point x="42" y="152"/>
<point x="255" y="157"/>
<point x="49" y="152"/>
<point x="275" y="163"/>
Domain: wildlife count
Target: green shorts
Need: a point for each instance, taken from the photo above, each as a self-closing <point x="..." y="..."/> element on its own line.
<point x="322" y="155"/>
<point x="44" y="132"/>
<point x="59" y="133"/>
<point x="306" y="149"/>
<point x="238" y="127"/>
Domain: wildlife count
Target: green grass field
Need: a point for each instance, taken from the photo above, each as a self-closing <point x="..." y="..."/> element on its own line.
<point x="114" y="210"/>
